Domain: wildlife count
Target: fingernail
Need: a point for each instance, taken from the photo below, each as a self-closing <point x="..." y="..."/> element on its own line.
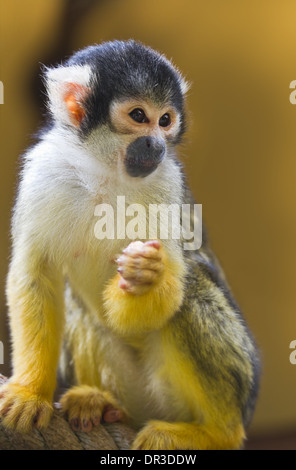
<point x="96" y="420"/>
<point x="86" y="425"/>
<point x="75" y="424"/>
<point x="154" y="243"/>
<point x="122" y="284"/>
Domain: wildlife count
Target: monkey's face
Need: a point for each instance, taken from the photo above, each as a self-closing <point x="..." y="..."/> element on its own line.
<point x="145" y="130"/>
<point x="124" y="102"/>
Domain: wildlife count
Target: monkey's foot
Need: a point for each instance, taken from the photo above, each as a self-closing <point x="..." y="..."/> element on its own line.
<point x="140" y="266"/>
<point x="21" y="409"/>
<point x="159" y="435"/>
<point x="86" y="406"/>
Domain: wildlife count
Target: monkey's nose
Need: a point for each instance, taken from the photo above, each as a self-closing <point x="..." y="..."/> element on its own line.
<point x="143" y="155"/>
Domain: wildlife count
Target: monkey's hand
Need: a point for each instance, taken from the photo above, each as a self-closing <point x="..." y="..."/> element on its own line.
<point x="86" y="406"/>
<point x="21" y="409"/>
<point x="140" y="266"/>
<point x="147" y="290"/>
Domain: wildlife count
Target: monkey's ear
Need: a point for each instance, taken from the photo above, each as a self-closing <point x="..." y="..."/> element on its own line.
<point x="67" y="89"/>
<point x="185" y="86"/>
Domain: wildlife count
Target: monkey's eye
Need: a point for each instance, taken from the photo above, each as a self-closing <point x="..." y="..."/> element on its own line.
<point x="165" y="120"/>
<point x="138" y="115"/>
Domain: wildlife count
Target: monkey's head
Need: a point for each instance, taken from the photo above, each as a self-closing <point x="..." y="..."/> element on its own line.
<point x="123" y="100"/>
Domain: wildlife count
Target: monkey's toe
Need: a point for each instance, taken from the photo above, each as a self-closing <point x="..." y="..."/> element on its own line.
<point x="85" y="406"/>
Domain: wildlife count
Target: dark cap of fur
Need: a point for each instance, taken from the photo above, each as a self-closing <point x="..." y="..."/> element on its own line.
<point x="127" y="69"/>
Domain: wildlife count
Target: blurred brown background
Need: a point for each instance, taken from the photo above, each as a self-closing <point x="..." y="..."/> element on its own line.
<point x="239" y="153"/>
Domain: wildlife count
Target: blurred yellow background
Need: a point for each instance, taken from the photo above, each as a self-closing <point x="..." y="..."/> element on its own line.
<point x="239" y="153"/>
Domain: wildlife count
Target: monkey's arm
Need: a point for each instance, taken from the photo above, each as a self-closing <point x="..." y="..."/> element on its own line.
<point x="147" y="290"/>
<point x="35" y="300"/>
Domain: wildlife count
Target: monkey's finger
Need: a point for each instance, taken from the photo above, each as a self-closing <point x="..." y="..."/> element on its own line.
<point x="85" y="418"/>
<point x="139" y="276"/>
<point x="86" y="425"/>
<point x="134" y="248"/>
<point x="81" y="424"/>
<point x="123" y="284"/>
<point x="146" y="251"/>
<point x="149" y="251"/>
<point x="80" y="417"/>
<point x="5" y="407"/>
<point x="42" y="416"/>
<point x="155" y="243"/>
<point x="96" y="419"/>
<point x="11" y="414"/>
<point x="134" y="288"/>
<point x="139" y="262"/>
<point x="75" y="424"/>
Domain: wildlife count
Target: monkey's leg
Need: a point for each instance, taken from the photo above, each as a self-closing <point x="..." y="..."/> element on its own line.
<point x="81" y="364"/>
<point x="215" y="418"/>
<point x="209" y="360"/>
<point x="85" y="406"/>
<point x="35" y="298"/>
<point x="147" y="290"/>
<point x="159" y="435"/>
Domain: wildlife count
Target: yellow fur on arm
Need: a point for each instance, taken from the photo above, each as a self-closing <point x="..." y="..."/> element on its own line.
<point x="127" y="313"/>
<point x="36" y="315"/>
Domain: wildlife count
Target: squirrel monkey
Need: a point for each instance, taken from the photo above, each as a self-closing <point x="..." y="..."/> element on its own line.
<point x="144" y="330"/>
